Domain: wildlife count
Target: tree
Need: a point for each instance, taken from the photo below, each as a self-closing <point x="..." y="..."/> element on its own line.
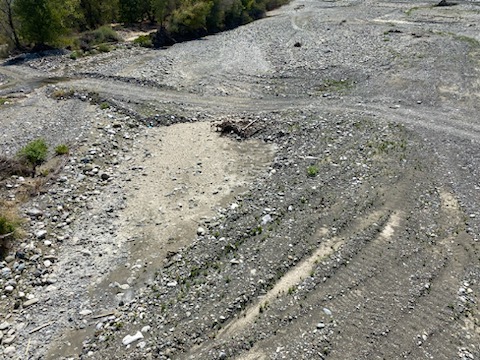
<point x="132" y="11"/>
<point x="96" y="13"/>
<point x="45" y="21"/>
<point x="7" y="21"/>
<point x="191" y="18"/>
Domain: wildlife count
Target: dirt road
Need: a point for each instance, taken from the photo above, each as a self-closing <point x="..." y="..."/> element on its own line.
<point x="345" y="227"/>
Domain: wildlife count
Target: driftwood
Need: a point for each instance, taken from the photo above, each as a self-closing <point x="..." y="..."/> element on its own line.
<point x="41" y="327"/>
<point x="240" y="128"/>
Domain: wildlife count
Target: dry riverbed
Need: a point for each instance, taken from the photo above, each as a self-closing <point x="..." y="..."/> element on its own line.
<point x="334" y="216"/>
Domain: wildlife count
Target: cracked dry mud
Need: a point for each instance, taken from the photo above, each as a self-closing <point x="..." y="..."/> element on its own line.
<point x="345" y="227"/>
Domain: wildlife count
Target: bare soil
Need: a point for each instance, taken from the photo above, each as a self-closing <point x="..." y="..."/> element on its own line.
<point x="338" y="219"/>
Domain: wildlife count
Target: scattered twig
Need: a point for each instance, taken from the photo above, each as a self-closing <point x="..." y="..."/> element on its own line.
<point x="6" y="235"/>
<point x="41" y="327"/>
<point x="103" y="315"/>
<point x="250" y="124"/>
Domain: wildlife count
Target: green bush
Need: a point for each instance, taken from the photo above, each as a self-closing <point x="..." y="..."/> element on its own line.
<point x="6" y="226"/>
<point x="102" y="35"/>
<point x="312" y="171"/>
<point x="104" y="48"/>
<point x="105" y="34"/>
<point x="62" y="149"/>
<point x="10" y="228"/>
<point x="144" y="41"/>
<point x="74" y="55"/>
<point x="34" y="153"/>
<point x="104" y="105"/>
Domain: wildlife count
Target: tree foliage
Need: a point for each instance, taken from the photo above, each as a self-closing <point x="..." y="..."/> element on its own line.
<point x="40" y="22"/>
<point x="45" y="21"/>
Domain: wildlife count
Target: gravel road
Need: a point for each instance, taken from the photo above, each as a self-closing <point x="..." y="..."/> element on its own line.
<point x="338" y="220"/>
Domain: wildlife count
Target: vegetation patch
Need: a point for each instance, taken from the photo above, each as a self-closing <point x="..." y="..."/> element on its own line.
<point x="98" y="38"/>
<point x="34" y="153"/>
<point x="312" y="171"/>
<point x="62" y="149"/>
<point x="10" y="227"/>
<point x="144" y="41"/>
<point x="9" y="167"/>
<point x="334" y="85"/>
<point x="62" y="94"/>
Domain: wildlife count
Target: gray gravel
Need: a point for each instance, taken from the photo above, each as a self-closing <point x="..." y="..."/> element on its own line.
<point x="359" y="240"/>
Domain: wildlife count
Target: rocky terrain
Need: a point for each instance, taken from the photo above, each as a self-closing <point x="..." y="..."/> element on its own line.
<point x="302" y="187"/>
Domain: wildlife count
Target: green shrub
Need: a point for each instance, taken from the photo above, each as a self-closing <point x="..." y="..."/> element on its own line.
<point x="62" y="149"/>
<point x="312" y="170"/>
<point x="104" y="48"/>
<point x="74" y="55"/>
<point x="102" y="35"/>
<point x="144" y="41"/>
<point x="34" y="153"/>
<point x="6" y="226"/>
<point x="9" y="228"/>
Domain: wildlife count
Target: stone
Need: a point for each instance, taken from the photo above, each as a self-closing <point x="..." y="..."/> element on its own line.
<point x="267" y="219"/>
<point x="172" y="283"/>
<point x="9" y="288"/>
<point x="201" y="231"/>
<point x="222" y="355"/>
<point x="41" y="234"/>
<point x="8" y="340"/>
<point x="146" y="329"/>
<point x="34" y="212"/>
<point x="85" y="312"/>
<point x="4" y="325"/>
<point x="6" y="272"/>
<point x="30" y="302"/>
<point x="327" y="311"/>
<point x="104" y="176"/>
<point x="9" y="258"/>
<point x="127" y="340"/>
<point x="320" y="325"/>
<point x="9" y="350"/>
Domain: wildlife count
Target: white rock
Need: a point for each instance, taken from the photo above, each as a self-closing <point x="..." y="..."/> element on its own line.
<point x="146" y="329"/>
<point x="266" y="219"/>
<point x="41" y="234"/>
<point x="201" y="231"/>
<point x="50" y="288"/>
<point x="172" y="283"/>
<point x="9" y="288"/>
<point x="327" y="311"/>
<point x="127" y="340"/>
<point x="85" y="312"/>
<point x="4" y="325"/>
<point x="9" y="350"/>
<point x="30" y="302"/>
<point x="47" y="263"/>
<point x="47" y="243"/>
